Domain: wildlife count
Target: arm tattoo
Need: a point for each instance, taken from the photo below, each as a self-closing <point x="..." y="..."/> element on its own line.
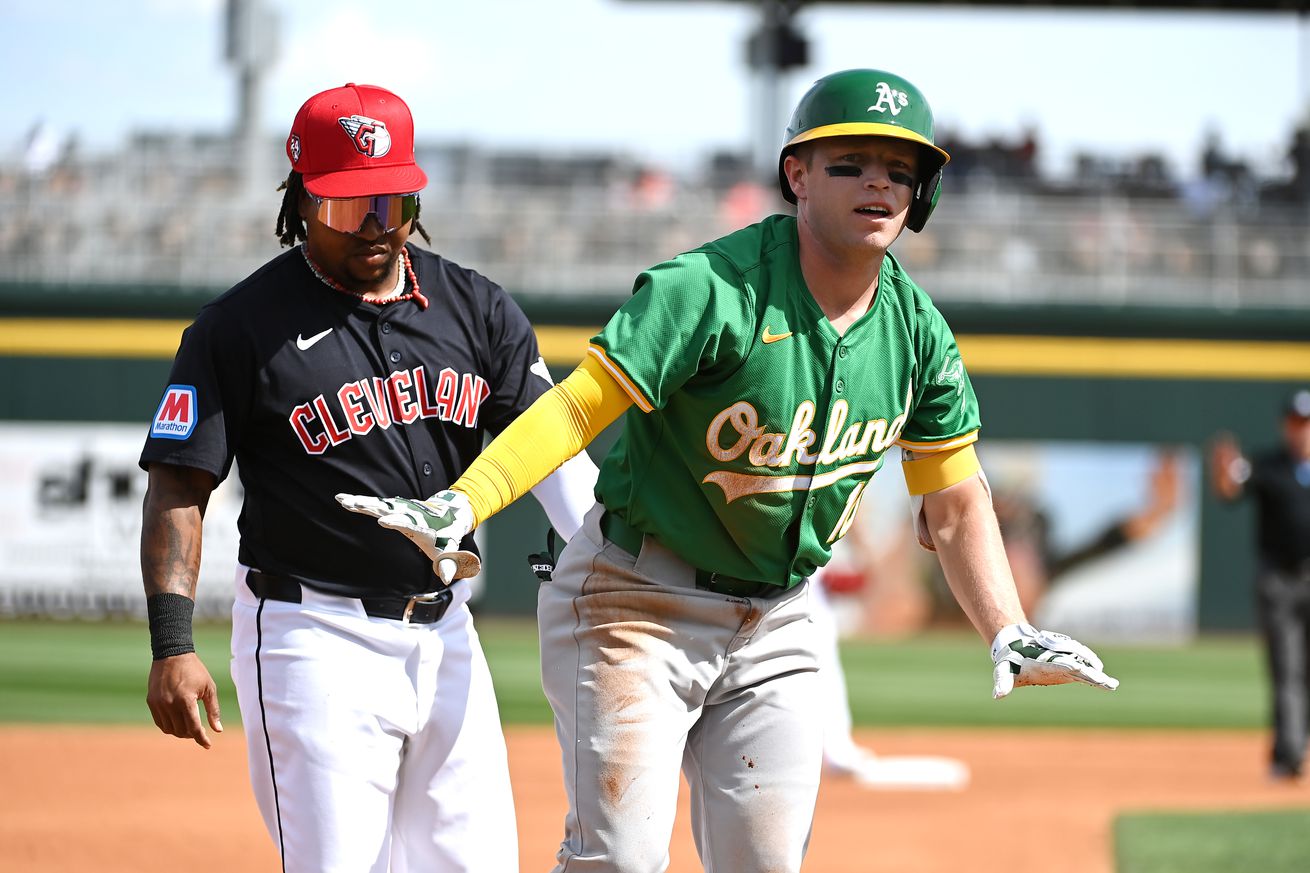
<point x="171" y="528"/>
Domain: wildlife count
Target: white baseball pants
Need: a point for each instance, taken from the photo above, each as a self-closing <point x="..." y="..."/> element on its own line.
<point x="373" y="745"/>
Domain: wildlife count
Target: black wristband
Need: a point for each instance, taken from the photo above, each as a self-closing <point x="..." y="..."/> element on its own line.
<point x="170" y="624"/>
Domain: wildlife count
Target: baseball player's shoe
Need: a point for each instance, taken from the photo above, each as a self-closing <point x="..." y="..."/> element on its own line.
<point x="1279" y="774"/>
<point x="900" y="772"/>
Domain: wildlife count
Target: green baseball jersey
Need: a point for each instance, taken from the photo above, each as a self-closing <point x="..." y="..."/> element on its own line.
<point x="757" y="427"/>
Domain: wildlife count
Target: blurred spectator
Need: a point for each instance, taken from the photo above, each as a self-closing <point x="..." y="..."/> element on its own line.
<point x="1018" y="255"/>
<point x="1151" y="176"/>
<point x="581" y="224"/>
<point x="652" y="191"/>
<point x="1025" y="155"/>
<point x="43" y="149"/>
<point x="1214" y="163"/>
<point x="1263" y="260"/>
<point x="1279" y="482"/>
<point x="920" y="250"/>
<point x="994" y="159"/>
<point x="1231" y="180"/>
<point x="745" y="203"/>
<point x="956" y="174"/>
<point x="1298" y="153"/>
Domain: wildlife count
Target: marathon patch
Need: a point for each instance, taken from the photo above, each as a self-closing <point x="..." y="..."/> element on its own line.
<point x="176" y="417"/>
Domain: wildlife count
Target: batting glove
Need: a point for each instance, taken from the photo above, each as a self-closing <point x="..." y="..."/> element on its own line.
<point x="436" y="525"/>
<point x="1024" y="655"/>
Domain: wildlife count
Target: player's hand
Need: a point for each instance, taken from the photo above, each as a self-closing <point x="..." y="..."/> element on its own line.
<point x="1024" y="655"/>
<point x="1229" y="471"/>
<point x="436" y="525"/>
<point x="176" y="684"/>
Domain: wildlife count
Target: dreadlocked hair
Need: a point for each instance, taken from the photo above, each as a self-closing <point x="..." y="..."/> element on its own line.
<point x="290" y="227"/>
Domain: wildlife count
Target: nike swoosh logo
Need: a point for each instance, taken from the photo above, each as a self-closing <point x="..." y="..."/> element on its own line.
<point x="305" y="344"/>
<point x="770" y="337"/>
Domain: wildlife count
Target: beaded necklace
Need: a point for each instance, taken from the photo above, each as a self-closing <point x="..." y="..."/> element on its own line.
<point x="394" y="297"/>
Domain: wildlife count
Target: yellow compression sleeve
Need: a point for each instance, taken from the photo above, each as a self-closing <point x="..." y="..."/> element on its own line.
<point x="940" y="470"/>
<point x="553" y="429"/>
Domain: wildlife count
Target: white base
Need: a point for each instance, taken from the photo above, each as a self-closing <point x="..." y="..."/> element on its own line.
<point x="902" y="772"/>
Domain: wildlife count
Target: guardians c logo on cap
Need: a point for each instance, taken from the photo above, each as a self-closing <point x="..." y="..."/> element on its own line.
<point x="369" y="135"/>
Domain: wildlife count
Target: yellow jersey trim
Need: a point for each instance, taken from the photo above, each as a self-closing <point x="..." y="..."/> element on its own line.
<point x="940" y="446"/>
<point x="616" y="373"/>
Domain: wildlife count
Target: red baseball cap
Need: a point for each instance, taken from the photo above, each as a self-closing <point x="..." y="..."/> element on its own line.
<point x="355" y="141"/>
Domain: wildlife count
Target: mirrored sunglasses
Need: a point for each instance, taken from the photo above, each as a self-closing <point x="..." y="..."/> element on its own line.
<point x="348" y="214"/>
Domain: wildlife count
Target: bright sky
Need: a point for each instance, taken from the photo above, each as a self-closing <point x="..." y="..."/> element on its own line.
<point x="664" y="80"/>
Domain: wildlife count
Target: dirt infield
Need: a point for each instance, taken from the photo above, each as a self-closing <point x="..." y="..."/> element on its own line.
<point x="132" y="801"/>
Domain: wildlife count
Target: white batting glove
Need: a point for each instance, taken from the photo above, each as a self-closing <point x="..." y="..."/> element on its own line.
<point x="1024" y="655"/>
<point x="436" y="525"/>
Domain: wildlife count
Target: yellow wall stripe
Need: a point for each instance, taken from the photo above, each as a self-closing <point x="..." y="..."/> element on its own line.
<point x="90" y="337"/>
<point x="1117" y="357"/>
<point x="565" y="346"/>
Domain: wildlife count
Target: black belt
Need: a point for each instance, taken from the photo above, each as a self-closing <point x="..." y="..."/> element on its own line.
<point x="617" y="531"/>
<point x="419" y="609"/>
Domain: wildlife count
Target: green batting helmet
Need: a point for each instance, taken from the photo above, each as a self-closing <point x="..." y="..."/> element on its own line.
<point x="870" y="103"/>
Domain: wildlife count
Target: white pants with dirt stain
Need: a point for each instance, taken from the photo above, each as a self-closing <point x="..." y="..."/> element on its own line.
<point x="647" y="674"/>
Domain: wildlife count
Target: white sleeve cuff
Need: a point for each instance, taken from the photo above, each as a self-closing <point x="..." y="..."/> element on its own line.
<point x="567" y="494"/>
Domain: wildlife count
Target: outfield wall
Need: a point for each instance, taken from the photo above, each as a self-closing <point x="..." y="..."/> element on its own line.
<point x="83" y="368"/>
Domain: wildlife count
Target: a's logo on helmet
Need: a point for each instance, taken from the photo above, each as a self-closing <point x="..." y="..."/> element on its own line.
<point x="369" y="135"/>
<point x="293" y="146"/>
<point x="889" y="100"/>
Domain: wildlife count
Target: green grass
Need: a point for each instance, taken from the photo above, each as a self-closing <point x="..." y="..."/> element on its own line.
<point x="1268" y="842"/>
<point x="946" y="680"/>
<point x="95" y="672"/>
<point x="92" y="672"/>
<point x="511" y="647"/>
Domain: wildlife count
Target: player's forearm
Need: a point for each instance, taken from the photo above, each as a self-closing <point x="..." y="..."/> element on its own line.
<point x="555" y="428"/>
<point x="968" y="540"/>
<point x="172" y="521"/>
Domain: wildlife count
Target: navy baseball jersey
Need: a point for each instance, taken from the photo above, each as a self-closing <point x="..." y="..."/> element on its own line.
<point x="314" y="391"/>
